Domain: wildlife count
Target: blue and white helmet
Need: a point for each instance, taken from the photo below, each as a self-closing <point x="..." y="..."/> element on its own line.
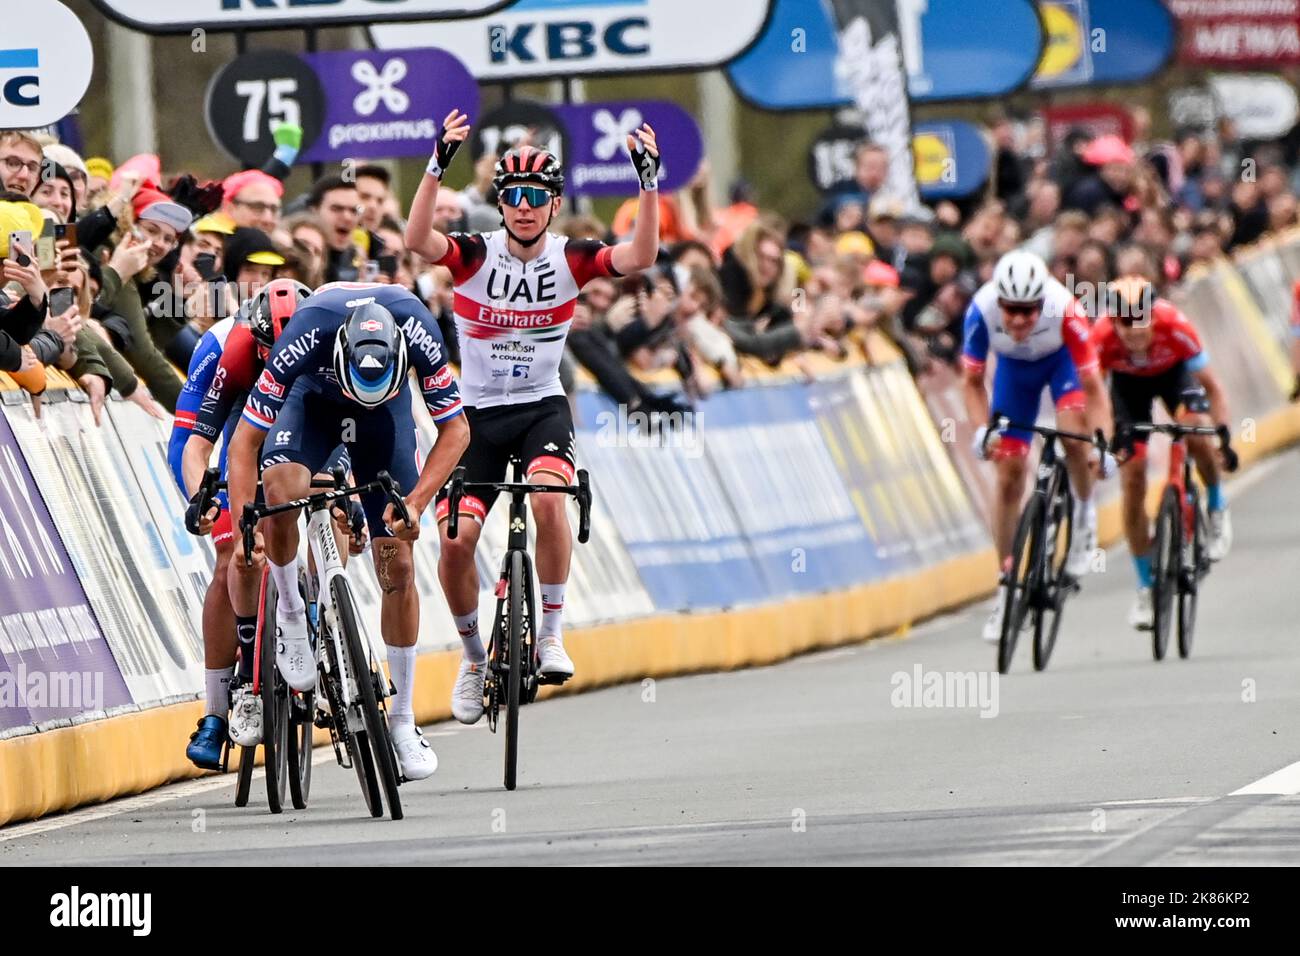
<point x="370" y="359"/>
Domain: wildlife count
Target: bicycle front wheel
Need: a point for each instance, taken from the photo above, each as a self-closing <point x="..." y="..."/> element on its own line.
<point x="275" y="702"/>
<point x="1195" y="563"/>
<point x="1165" y="568"/>
<point x="1020" y="580"/>
<point x="515" y="667"/>
<point x="376" y="722"/>
<point x="1047" y="621"/>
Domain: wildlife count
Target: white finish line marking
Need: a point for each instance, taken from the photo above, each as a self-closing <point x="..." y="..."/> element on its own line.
<point x="1284" y="782"/>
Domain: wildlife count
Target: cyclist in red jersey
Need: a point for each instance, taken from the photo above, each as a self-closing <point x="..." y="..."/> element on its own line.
<point x="515" y="290"/>
<point x="1152" y="351"/>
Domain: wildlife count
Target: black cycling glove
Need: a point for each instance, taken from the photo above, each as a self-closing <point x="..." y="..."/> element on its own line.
<point x="442" y="155"/>
<point x="647" y="167"/>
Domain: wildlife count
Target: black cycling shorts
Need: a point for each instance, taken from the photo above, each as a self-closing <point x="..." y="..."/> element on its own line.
<point x="539" y="434"/>
<point x="1132" y="397"/>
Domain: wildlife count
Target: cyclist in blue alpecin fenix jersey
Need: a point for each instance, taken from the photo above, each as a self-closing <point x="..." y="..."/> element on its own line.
<point x="339" y="374"/>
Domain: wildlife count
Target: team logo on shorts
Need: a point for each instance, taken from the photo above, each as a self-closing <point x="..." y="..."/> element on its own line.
<point x="370" y="325"/>
<point x="439" y="379"/>
<point x="267" y="384"/>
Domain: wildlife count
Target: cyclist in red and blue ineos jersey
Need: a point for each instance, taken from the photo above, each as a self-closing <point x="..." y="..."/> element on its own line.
<point x="515" y="291"/>
<point x="338" y="374"/>
<point x="1040" y="335"/>
<point x="206" y="743"/>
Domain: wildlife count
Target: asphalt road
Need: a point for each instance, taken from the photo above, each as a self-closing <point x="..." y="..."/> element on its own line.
<point x="1106" y="758"/>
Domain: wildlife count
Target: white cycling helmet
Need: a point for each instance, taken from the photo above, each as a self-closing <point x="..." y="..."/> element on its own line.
<point x="1020" y="277"/>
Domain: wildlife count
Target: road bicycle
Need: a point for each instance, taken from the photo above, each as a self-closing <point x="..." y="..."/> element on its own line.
<point x="352" y="684"/>
<point x="1037" y="582"/>
<point x="511" y="676"/>
<point x="1179" y="558"/>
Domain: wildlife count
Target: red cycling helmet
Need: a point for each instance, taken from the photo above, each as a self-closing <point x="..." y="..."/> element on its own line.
<point x="528" y="164"/>
<point x="268" y="312"/>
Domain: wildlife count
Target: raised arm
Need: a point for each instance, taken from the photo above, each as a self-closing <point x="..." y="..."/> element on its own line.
<point x="421" y="237"/>
<point x="639" y="252"/>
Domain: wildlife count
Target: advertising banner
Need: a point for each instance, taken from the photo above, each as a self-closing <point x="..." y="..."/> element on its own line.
<point x="952" y="51"/>
<point x="171" y="16"/>
<point x="55" y="666"/>
<point x="1227" y="33"/>
<point x="383" y="105"/>
<point x="46" y="62"/>
<point x="116" y="550"/>
<point x="952" y="159"/>
<point x="597" y="163"/>
<point x="1100" y="42"/>
<point x="670" y="509"/>
<point x="534" y="39"/>
<point x="789" y="500"/>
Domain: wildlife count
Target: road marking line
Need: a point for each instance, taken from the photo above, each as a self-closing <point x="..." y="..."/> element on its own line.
<point x="1284" y="782"/>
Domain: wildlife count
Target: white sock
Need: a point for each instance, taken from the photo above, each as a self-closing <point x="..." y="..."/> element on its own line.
<point x="467" y="628"/>
<point x="217" y="682"/>
<point x="289" y="601"/>
<point x="401" y="667"/>
<point x="552" y="611"/>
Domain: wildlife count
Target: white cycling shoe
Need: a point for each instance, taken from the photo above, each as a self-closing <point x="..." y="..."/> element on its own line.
<point x="993" y="626"/>
<point x="467" y="693"/>
<point x="245" y="716"/>
<point x="1142" y="614"/>
<point x="1220" y="542"/>
<point x="414" y="755"/>
<point x="1082" y="543"/>
<point x="552" y="659"/>
<point x="293" y="652"/>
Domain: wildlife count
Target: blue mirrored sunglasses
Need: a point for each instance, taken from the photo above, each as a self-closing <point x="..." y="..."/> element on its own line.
<point x="536" y="196"/>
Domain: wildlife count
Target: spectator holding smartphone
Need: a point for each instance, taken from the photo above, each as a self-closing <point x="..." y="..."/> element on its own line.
<point x="20" y="318"/>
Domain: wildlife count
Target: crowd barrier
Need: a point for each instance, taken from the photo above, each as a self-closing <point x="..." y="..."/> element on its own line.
<point x="777" y="518"/>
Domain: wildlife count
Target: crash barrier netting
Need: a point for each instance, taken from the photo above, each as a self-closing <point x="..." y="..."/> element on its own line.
<point x="776" y="518"/>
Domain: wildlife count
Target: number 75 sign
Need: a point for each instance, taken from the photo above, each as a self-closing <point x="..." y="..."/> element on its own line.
<point x="256" y="92"/>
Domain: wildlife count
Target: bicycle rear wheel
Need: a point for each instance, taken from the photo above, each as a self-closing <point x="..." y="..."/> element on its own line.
<point x="275" y="702"/>
<point x="244" y="778"/>
<point x="515" y="666"/>
<point x="1054" y="588"/>
<point x="1020" y="580"/>
<point x="1195" y="563"/>
<point x="376" y="722"/>
<point x="1165" y="568"/>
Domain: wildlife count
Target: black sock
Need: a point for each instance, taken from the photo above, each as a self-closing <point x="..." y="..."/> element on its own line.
<point x="246" y="629"/>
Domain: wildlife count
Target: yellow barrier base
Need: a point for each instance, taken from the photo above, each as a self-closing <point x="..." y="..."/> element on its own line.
<point x="57" y="770"/>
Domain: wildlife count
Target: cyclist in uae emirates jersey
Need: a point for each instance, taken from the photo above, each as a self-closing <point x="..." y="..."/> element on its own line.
<point x="515" y="290"/>
<point x="1152" y="351"/>
<point x="1041" y="338"/>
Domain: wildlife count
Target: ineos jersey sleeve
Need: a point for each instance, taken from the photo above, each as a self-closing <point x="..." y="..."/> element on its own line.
<point x="202" y="369"/>
<point x="302" y="348"/>
<point x="234" y="378"/>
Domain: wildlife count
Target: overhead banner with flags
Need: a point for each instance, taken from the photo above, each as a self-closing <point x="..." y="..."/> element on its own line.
<point x="870" y="68"/>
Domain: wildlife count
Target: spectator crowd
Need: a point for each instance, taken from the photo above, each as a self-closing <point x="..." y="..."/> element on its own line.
<point x="112" y="273"/>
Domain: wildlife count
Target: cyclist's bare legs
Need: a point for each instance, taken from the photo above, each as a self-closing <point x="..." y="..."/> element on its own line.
<point x="1201" y="447"/>
<point x="554" y="539"/>
<point x="280" y="484"/>
<point x="399" y="613"/>
<point x="1006" y="504"/>
<point x="457" y="572"/>
<point x="1133" y="491"/>
<point x="1076" y="452"/>
<point x="218" y="617"/>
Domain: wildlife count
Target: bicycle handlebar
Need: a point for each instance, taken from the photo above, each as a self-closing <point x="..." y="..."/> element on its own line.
<point x="1000" y="423"/>
<point x="1178" y="431"/>
<point x="581" y="491"/>
<point x="253" y="513"/>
